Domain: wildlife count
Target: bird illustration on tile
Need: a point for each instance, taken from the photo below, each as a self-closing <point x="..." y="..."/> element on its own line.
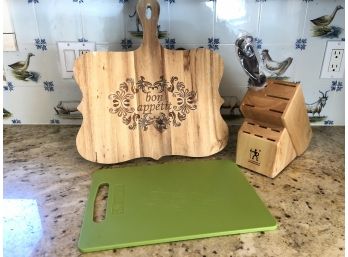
<point x="325" y="20"/>
<point x="19" y="70"/>
<point x="274" y="67"/>
<point x="6" y="113"/>
<point x="22" y="65"/>
<point x="321" y="25"/>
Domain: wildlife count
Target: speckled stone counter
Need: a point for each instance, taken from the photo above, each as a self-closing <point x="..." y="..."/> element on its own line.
<point x="44" y="172"/>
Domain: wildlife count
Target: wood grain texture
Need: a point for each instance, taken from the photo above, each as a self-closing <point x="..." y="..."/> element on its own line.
<point x="274" y="150"/>
<point x="276" y="129"/>
<point x="150" y="102"/>
<point x="297" y="123"/>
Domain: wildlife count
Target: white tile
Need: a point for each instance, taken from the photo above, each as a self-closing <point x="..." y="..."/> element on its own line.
<point x="328" y="111"/>
<point x="307" y="64"/>
<point x="319" y="8"/>
<point x="233" y="72"/>
<point x="10" y="58"/>
<point x="24" y="22"/>
<point x="280" y="53"/>
<point x="59" y="20"/>
<point x="44" y="63"/>
<point x="282" y="21"/>
<point x="131" y="20"/>
<point x="31" y="105"/>
<point x="338" y="114"/>
<point x="235" y="17"/>
<point x="191" y="21"/>
<point x="103" y="21"/>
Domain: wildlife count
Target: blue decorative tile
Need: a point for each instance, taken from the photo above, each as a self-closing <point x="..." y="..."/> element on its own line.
<point x="126" y="43"/>
<point x="328" y="122"/>
<point x="301" y="43"/>
<point x="261" y="0"/>
<point x="170" y="43"/>
<point x="336" y="86"/>
<point x="307" y="1"/>
<point x="123" y="1"/>
<point x="55" y="121"/>
<point x="213" y="43"/>
<point x="48" y="86"/>
<point x="82" y="39"/>
<point x="258" y="43"/>
<point x="170" y="1"/>
<point x="9" y="86"/>
<point x="16" y="121"/>
<point x="33" y="1"/>
<point x="78" y="1"/>
<point x="41" y="43"/>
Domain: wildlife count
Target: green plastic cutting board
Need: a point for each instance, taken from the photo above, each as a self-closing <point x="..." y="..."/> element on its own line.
<point x="172" y="202"/>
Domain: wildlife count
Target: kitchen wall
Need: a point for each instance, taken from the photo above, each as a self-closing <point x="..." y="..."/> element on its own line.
<point x="283" y="27"/>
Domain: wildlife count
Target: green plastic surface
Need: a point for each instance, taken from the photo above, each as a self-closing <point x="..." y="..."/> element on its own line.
<point x="172" y="202"/>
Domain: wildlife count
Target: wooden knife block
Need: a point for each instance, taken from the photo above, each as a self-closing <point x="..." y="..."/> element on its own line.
<point x="276" y="128"/>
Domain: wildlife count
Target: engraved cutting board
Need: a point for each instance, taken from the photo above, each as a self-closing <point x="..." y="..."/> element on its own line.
<point x="150" y="102"/>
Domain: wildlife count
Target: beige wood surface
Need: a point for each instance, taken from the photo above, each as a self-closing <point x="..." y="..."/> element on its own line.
<point x="274" y="149"/>
<point x="277" y="124"/>
<point x="295" y="119"/>
<point x="280" y="104"/>
<point x="150" y="102"/>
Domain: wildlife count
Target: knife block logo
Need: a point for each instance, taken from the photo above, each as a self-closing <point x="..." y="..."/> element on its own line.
<point x="156" y="101"/>
<point x="254" y="156"/>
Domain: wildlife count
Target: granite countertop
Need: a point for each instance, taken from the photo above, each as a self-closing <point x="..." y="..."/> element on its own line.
<point x="46" y="184"/>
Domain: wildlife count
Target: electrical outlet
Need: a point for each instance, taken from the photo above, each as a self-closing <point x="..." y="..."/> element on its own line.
<point x="69" y="51"/>
<point x="336" y="60"/>
<point x="333" y="64"/>
<point x="81" y="52"/>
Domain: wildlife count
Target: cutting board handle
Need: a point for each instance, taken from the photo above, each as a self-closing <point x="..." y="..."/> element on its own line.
<point x="149" y="22"/>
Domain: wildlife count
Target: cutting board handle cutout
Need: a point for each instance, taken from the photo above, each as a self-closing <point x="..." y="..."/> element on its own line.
<point x="148" y="12"/>
<point x="100" y="203"/>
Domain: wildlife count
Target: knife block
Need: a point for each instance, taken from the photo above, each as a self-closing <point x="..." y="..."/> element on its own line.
<point x="276" y="128"/>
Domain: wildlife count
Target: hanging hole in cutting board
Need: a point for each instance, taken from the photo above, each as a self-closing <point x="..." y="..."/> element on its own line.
<point x="148" y="12"/>
<point x="100" y="203"/>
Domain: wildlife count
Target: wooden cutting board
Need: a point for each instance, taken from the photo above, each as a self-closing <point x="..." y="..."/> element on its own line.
<point x="150" y="102"/>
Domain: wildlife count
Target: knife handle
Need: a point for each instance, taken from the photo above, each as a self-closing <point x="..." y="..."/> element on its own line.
<point x="148" y="13"/>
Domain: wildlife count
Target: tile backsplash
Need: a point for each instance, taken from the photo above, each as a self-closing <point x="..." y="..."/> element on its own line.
<point x="39" y="95"/>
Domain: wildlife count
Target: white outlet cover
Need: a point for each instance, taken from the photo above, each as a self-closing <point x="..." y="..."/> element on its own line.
<point x="325" y="73"/>
<point x="68" y="52"/>
<point x="10" y="42"/>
